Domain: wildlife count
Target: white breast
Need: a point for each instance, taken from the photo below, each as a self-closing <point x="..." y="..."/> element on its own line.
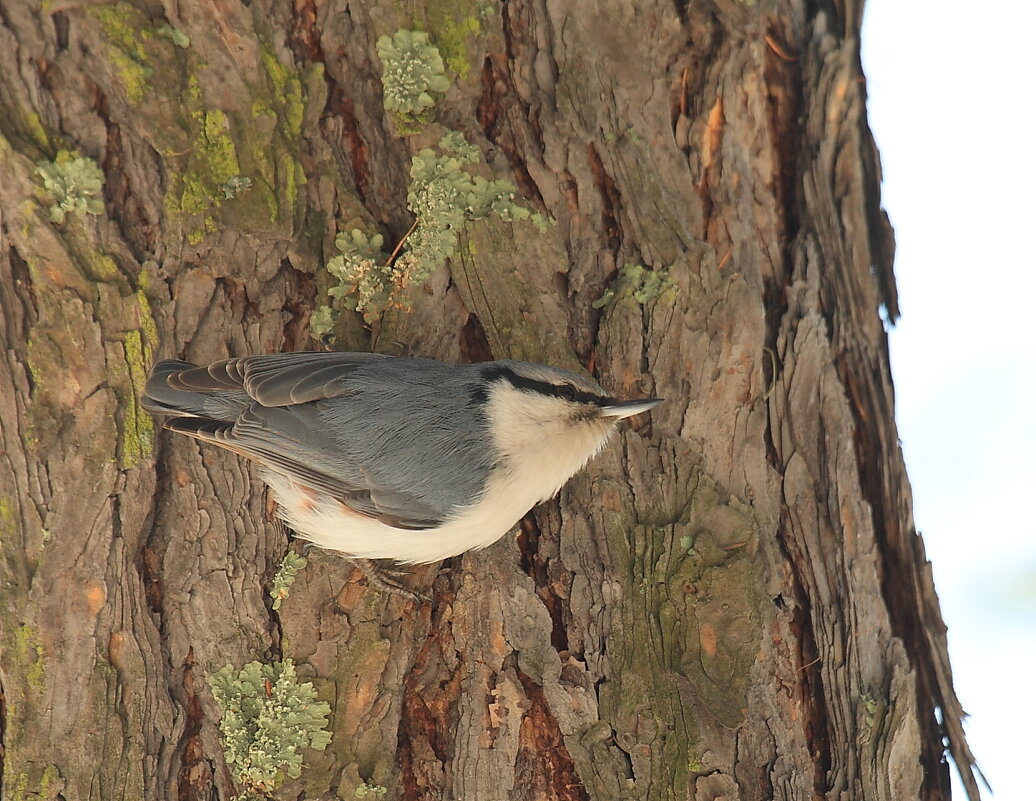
<point x="330" y="524"/>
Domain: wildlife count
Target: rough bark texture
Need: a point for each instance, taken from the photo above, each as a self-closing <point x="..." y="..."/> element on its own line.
<point x="732" y="602"/>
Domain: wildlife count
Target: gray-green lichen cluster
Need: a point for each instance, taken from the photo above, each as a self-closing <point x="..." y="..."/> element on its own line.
<point x="268" y="717"/>
<point x="234" y="186"/>
<point x="291" y="564"/>
<point x="366" y="282"/>
<point x="412" y="73"/>
<point x="638" y="282"/>
<point x="370" y="791"/>
<point x="73" y="183"/>
<point x="174" y="35"/>
<point x="443" y="196"/>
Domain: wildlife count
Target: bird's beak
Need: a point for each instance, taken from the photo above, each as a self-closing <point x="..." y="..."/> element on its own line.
<point x="621" y="409"/>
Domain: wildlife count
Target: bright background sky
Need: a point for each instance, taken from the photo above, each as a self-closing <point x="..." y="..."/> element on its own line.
<point x="952" y="102"/>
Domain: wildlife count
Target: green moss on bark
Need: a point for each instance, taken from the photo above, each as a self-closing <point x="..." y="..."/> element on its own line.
<point x="689" y="634"/>
<point x="452" y="24"/>
<point x="127" y="33"/>
<point x="28" y="653"/>
<point x="138" y="435"/>
<point x="241" y="167"/>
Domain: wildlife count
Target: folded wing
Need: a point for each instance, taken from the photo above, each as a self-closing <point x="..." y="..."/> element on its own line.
<point x="276" y="410"/>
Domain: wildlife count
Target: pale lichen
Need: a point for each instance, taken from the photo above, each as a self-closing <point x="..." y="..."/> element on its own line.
<point x="443" y="196"/>
<point x="872" y="710"/>
<point x="366" y="281"/>
<point x="73" y="183"/>
<point x="175" y="35"/>
<point x="412" y="74"/>
<point x="638" y="282"/>
<point x="322" y="323"/>
<point x="267" y="717"/>
<point x="234" y="186"/>
<point x="290" y="565"/>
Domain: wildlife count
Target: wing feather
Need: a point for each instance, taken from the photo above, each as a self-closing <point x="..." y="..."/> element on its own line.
<point x="282" y="425"/>
<point x="277" y="381"/>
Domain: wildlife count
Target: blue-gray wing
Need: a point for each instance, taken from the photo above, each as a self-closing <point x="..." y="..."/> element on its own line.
<point x="374" y="432"/>
<point x="231" y="385"/>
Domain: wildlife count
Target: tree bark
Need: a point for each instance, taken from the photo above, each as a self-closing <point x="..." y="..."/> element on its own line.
<point x="731" y="602"/>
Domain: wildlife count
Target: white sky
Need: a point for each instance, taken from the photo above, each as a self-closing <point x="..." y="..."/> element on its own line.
<point x="952" y="89"/>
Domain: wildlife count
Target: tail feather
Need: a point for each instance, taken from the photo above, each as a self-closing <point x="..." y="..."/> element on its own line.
<point x="174" y="388"/>
<point x="213" y="431"/>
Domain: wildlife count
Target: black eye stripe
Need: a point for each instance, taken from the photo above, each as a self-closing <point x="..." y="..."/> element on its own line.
<point x="564" y="391"/>
<point x="479" y="396"/>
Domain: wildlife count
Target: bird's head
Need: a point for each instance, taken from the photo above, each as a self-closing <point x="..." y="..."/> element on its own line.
<point x="540" y="413"/>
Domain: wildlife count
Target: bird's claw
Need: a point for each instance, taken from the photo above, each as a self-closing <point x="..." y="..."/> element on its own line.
<point x="387" y="579"/>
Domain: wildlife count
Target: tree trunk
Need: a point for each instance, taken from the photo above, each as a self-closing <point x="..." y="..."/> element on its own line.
<point x="730" y="602"/>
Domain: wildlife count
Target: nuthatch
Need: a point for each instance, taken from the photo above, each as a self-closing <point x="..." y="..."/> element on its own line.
<point x="395" y="458"/>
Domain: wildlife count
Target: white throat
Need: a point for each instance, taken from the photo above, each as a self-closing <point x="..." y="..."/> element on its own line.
<point x="540" y="441"/>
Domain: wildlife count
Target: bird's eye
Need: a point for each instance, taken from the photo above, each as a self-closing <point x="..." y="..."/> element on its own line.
<point x="567" y="391"/>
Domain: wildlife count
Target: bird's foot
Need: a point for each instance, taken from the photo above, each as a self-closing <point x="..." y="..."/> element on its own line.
<point x="387" y="579"/>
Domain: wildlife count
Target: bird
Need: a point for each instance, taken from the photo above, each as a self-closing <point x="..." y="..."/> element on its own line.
<point x="402" y="458"/>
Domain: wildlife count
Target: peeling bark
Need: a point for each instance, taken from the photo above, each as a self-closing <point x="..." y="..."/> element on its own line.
<point x="732" y="601"/>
